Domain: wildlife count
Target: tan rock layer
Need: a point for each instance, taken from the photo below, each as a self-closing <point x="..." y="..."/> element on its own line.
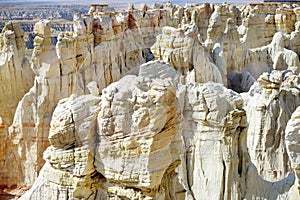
<point x="16" y="78"/>
<point x="199" y="128"/>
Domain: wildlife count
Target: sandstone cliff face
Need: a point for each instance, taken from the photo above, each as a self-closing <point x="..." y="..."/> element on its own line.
<point x="66" y="69"/>
<point x="262" y="21"/>
<point x="292" y="144"/>
<point x="214" y="135"/>
<point x="137" y="123"/>
<point x="200" y="129"/>
<point x="70" y="156"/>
<point x="27" y="15"/>
<point x="16" y="77"/>
<point x="111" y="128"/>
<point x="130" y="127"/>
<point x="269" y="107"/>
<point x="178" y="47"/>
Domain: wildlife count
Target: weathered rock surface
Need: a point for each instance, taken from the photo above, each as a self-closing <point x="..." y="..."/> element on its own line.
<point x="128" y="142"/>
<point x="16" y="78"/>
<point x="111" y="128"/>
<point x="262" y="21"/>
<point x="214" y="135"/>
<point x="27" y="15"/>
<point x="137" y="123"/>
<point x="112" y="146"/>
<point x="178" y="47"/>
<point x="66" y="69"/>
<point x="292" y="138"/>
<point x="68" y="171"/>
<point x="269" y="106"/>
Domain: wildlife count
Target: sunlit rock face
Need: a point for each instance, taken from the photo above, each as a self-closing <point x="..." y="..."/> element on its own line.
<point x="69" y="168"/>
<point x="112" y="145"/>
<point x="115" y="140"/>
<point x="261" y="21"/>
<point x="62" y="70"/>
<point x="178" y="47"/>
<point x="137" y="123"/>
<point x="269" y="106"/>
<point x="209" y="118"/>
<point x="214" y="138"/>
<point x="292" y="140"/>
<point x="16" y="78"/>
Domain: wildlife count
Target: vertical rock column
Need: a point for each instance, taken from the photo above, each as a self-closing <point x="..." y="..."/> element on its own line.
<point x="137" y="124"/>
<point x="16" y="77"/>
<point x="292" y="141"/>
<point x="269" y="107"/>
<point x="29" y="131"/>
<point x="215" y="159"/>
<point x="69" y="172"/>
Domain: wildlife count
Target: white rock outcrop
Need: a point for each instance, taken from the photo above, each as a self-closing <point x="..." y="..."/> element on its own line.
<point x="104" y="121"/>
<point x="69" y="167"/>
<point x="292" y="139"/>
<point x="269" y="106"/>
<point x="16" y="78"/>
<point x="137" y="123"/>
<point x="178" y="47"/>
<point x="261" y="21"/>
<point x="123" y="144"/>
<point x="112" y="146"/>
<point x="214" y="135"/>
<point x="62" y="70"/>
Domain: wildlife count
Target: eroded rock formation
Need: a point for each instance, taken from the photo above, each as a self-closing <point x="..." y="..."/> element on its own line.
<point x="261" y="21"/>
<point x="214" y="135"/>
<point x="269" y="106"/>
<point x="16" y="78"/>
<point x="121" y="151"/>
<point x="107" y="125"/>
<point x="177" y="47"/>
<point x="292" y="145"/>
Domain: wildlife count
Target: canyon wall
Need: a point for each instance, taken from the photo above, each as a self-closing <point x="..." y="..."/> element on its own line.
<point x="40" y="11"/>
<point x="210" y="118"/>
<point x="16" y="78"/>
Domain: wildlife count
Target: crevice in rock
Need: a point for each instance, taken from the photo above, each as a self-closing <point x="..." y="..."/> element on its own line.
<point x="188" y="173"/>
<point x="224" y="195"/>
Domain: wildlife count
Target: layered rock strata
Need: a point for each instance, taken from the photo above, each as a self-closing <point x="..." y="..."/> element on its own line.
<point x="162" y="130"/>
<point x="103" y="151"/>
<point x="60" y="71"/>
<point x="111" y="146"/>
<point x="214" y="136"/>
<point x="102" y="48"/>
<point x="137" y="123"/>
<point x="262" y="21"/>
<point x="178" y="47"/>
<point x="68" y="172"/>
<point x="36" y="11"/>
<point x="269" y="106"/>
<point x="292" y="138"/>
<point x="16" y="78"/>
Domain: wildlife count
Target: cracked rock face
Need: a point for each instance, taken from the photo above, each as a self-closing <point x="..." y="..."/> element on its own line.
<point x="69" y="167"/>
<point x="100" y="123"/>
<point x="214" y="137"/>
<point x="16" y="78"/>
<point x="269" y="108"/>
<point x="136" y="126"/>
<point x="177" y="47"/>
<point x="292" y="138"/>
<point x="60" y="71"/>
<point x="111" y="146"/>
<point x="114" y="141"/>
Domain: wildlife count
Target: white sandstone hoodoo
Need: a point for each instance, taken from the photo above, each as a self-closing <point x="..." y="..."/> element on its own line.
<point x="169" y="102"/>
